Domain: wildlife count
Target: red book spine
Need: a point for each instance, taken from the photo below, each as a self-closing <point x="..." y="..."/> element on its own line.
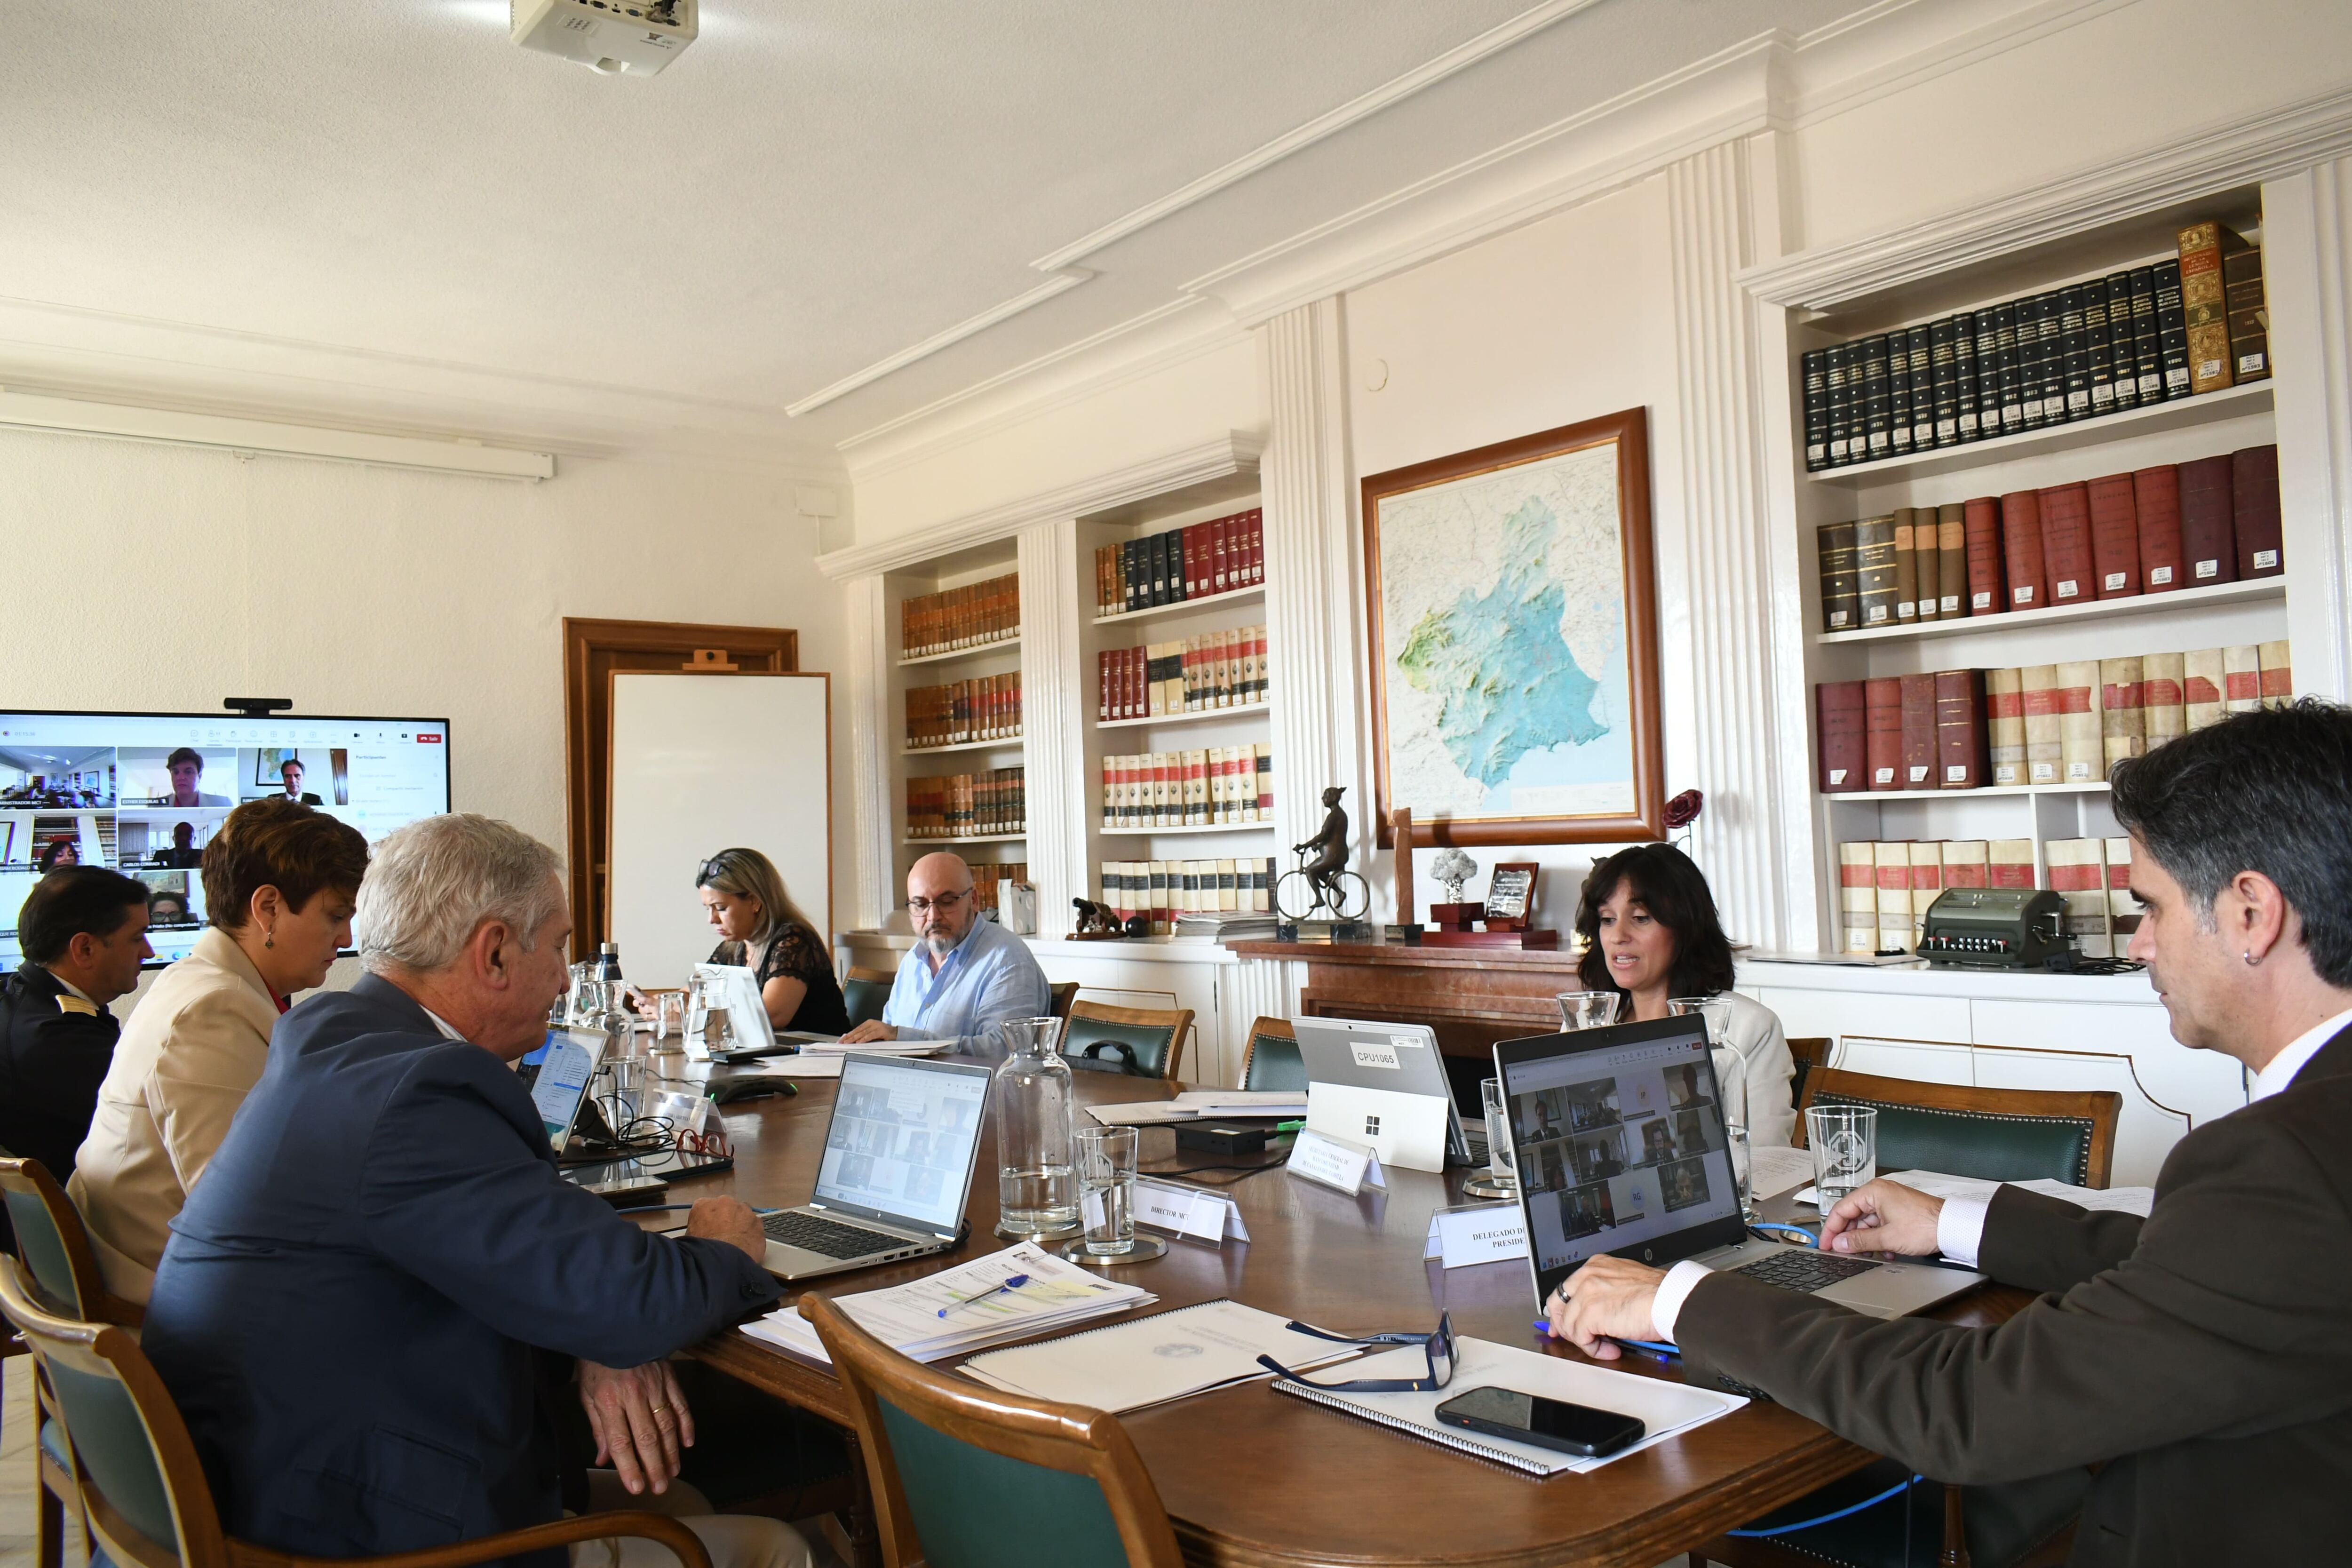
<point x="1219" y="545"/>
<point x="2114" y="537"/>
<point x="2208" y="544"/>
<point x="1258" y="545"/>
<point x="2155" y="501"/>
<point x="1882" y="702"/>
<point x="1988" y="595"/>
<point x="1189" y="538"/>
<point x="2254" y="505"/>
<point x="1918" y="732"/>
<point x="1960" y="731"/>
<point x="2067" y="542"/>
<point x="2021" y="551"/>
<point x="1103" y="683"/>
<point x="1837" y="706"/>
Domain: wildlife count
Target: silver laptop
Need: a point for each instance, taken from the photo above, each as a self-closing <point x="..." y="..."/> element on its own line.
<point x="558" y="1085"/>
<point x="1618" y="1137"/>
<point x="1401" y="1058"/>
<point x="897" y="1171"/>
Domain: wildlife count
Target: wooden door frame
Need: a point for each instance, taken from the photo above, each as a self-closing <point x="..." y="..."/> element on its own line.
<point x="588" y="727"/>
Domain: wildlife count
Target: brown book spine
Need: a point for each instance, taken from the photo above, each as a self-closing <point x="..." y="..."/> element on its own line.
<point x="2208" y="542"/>
<point x="1960" y="728"/>
<point x="2114" y="537"/>
<point x="1838" y="712"/>
<point x="1952" y="562"/>
<point x="1930" y="564"/>
<point x="1907" y="566"/>
<point x="2021" y="551"/>
<point x="1882" y="702"/>
<point x="2204" y="303"/>
<point x="1918" y="720"/>
<point x="2067" y="542"/>
<point x="2254" y="511"/>
<point x="2156" y="504"/>
<point x="1988" y="593"/>
<point x="1875" y="570"/>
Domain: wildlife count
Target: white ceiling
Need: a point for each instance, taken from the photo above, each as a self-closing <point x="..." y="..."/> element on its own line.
<point x="381" y="212"/>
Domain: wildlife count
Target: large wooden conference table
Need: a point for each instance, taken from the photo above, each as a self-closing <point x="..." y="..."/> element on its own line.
<point x="1252" y="1478"/>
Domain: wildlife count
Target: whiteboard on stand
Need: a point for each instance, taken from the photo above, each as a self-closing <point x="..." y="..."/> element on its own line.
<point x="706" y="763"/>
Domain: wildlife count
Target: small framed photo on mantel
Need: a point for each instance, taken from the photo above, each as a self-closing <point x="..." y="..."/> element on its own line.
<point x="1513" y="628"/>
<point x="1511" y="896"/>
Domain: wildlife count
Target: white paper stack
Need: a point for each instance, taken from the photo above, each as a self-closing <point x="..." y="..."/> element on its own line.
<point x="1055" y="1295"/>
<point x="1225" y="926"/>
<point x="875" y="1048"/>
<point x="1194" y="1104"/>
<point x="1152" y="1360"/>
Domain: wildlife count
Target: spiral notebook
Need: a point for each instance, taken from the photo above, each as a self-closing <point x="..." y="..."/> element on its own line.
<point x="1149" y="1361"/>
<point x="1664" y="1409"/>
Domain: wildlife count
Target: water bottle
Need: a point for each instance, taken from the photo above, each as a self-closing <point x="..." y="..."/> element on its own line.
<point x="608" y="963"/>
<point x="1036" y="1188"/>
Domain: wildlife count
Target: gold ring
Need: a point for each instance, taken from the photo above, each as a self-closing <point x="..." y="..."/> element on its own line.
<point x="660" y="1409"/>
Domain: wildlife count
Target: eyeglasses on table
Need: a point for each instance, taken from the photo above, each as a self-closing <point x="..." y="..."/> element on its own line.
<point x="1437" y="1346"/>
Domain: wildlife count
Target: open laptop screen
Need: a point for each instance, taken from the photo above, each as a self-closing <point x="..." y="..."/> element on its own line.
<point x="1618" y="1142"/>
<point x="902" y="1139"/>
<point x="566" y="1063"/>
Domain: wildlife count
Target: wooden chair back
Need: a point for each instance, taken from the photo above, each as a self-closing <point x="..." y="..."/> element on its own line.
<point x="1808" y="1053"/>
<point x="1995" y="1134"/>
<point x="1140" y="1042"/>
<point x="965" y="1476"/>
<point x="1065" y="992"/>
<point x="60" y="1266"/>
<point x="1272" y="1061"/>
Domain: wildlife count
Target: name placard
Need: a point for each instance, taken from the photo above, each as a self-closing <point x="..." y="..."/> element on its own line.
<point x="1189" y="1211"/>
<point x="1335" y="1162"/>
<point x="1478" y="1233"/>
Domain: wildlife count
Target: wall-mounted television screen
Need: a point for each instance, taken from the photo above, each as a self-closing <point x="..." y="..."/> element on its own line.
<point x="144" y="792"/>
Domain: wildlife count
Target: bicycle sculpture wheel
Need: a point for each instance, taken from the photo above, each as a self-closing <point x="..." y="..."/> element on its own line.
<point x="1343" y="896"/>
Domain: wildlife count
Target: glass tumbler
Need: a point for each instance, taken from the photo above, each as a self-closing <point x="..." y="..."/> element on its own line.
<point x="1587" y="1009"/>
<point x="1502" y="1163"/>
<point x="1844" y="1141"/>
<point x="669" y="1016"/>
<point x="1731" y="1079"/>
<point x="1106" y="1161"/>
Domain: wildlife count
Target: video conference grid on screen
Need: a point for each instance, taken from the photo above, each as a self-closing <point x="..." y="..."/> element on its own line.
<point x="144" y="792"/>
<point x="901" y="1140"/>
<point x="1616" y="1147"/>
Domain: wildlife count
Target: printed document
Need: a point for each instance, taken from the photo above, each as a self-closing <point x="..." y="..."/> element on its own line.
<point x="1154" y="1359"/>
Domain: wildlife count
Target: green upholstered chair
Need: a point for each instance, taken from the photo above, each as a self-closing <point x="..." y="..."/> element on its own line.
<point x="1140" y="1042"/>
<point x="1065" y="992"/>
<point x="144" y="1493"/>
<point x="966" y="1476"/>
<point x="1273" y="1060"/>
<point x="864" y="993"/>
<point x="1994" y="1134"/>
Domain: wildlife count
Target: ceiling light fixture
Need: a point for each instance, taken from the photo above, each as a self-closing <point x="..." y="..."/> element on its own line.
<point x="611" y="38"/>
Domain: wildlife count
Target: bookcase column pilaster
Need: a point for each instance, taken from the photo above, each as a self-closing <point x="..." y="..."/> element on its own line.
<point x="2306" y="236"/>
<point x="1314" y="579"/>
<point x="870" y="738"/>
<point x="1738" y="725"/>
<point x="1055" y="709"/>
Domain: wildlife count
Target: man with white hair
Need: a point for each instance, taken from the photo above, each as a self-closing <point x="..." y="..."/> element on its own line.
<point x="356" y="1306"/>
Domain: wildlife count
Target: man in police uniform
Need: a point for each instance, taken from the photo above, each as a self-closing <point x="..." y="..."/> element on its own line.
<point x="84" y="933"/>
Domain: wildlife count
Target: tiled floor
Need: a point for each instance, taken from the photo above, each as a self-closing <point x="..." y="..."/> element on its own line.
<point x="17" y="1480"/>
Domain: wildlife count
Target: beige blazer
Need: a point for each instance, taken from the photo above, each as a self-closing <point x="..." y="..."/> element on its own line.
<point x="193" y="1049"/>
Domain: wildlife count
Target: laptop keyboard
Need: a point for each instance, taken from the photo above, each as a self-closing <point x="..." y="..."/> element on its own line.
<point x="826" y="1237"/>
<point x="1803" y="1269"/>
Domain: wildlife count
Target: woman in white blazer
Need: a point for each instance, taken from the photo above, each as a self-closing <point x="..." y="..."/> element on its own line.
<point x="279" y="880"/>
<point x="1649" y="923"/>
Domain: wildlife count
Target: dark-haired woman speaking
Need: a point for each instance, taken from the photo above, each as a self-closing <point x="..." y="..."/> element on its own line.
<point x="1650" y="933"/>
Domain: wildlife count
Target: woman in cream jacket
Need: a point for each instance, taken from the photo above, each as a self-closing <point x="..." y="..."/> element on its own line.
<point x="279" y="883"/>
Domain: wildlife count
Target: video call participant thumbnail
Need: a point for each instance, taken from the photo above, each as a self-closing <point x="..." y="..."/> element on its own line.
<point x="186" y="766"/>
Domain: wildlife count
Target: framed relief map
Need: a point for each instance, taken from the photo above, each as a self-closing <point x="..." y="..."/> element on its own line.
<point x="1514" y="640"/>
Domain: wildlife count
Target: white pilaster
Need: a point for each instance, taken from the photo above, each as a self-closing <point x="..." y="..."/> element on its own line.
<point x="2306" y="236"/>
<point x="1314" y="579"/>
<point x="1257" y="988"/>
<point x="1725" y="545"/>
<point x="1053" y="714"/>
<point x="870" y="745"/>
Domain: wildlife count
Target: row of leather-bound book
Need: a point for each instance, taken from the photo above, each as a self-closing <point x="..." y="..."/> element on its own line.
<point x="1887" y="887"/>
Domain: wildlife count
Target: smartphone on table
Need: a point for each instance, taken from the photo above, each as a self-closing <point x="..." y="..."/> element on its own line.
<point x="1578" y="1429"/>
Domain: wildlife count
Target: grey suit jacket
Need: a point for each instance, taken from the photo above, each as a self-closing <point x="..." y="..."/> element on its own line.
<point x="2202" y="1358"/>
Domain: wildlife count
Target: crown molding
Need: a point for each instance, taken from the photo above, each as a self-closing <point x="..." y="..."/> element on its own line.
<point x="2243" y="150"/>
<point x="971" y="326"/>
<point x="1236" y="452"/>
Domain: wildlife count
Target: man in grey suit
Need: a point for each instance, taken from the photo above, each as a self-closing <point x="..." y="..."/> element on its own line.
<point x="2201" y="1358"/>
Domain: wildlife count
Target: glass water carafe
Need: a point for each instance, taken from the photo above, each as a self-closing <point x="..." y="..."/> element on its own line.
<point x="1037" y="1190"/>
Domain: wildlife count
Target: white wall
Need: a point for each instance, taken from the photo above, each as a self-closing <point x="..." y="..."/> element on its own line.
<point x="163" y="577"/>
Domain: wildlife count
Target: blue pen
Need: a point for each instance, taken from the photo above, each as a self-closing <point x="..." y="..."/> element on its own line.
<point x="1655" y="1347"/>
<point x="1015" y="1283"/>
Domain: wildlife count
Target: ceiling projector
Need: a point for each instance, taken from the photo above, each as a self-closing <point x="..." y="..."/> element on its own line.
<point x="609" y="36"/>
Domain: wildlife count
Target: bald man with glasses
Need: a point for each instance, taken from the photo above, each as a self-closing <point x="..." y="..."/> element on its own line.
<point x="966" y="975"/>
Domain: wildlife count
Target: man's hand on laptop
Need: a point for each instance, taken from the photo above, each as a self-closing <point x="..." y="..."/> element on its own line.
<point x="726" y="1219"/>
<point x="1885" y="1217"/>
<point x="872" y="1030"/>
<point x="639" y="1417"/>
<point x="1607" y="1299"/>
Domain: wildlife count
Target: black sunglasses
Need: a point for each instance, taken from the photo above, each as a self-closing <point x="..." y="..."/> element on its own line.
<point x="1438" y="1346"/>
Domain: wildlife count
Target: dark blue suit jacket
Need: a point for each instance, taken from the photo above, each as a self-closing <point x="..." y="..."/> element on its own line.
<point x="347" y="1309"/>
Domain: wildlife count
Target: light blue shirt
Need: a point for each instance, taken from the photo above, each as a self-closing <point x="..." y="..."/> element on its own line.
<point x="986" y="978"/>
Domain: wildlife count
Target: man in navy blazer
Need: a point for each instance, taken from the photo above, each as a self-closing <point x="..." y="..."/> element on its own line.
<point x="356" y="1305"/>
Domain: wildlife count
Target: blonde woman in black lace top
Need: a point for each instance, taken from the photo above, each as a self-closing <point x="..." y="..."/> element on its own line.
<point x="765" y="932"/>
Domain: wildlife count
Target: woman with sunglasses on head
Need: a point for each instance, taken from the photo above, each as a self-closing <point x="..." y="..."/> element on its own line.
<point x="1651" y="933"/>
<point x="761" y="929"/>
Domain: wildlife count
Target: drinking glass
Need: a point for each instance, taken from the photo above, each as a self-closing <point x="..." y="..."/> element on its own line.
<point x="1731" y="1074"/>
<point x="1844" y="1141"/>
<point x="1106" y="1161"/>
<point x="1587" y="1009"/>
<point x="1502" y="1164"/>
<point x="669" y="1016"/>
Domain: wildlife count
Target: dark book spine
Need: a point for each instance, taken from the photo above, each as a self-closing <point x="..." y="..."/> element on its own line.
<point x="2052" y="331"/>
<point x="1898" y="392"/>
<point x="1951" y="561"/>
<point x="2099" y="348"/>
<point x="1837" y="363"/>
<point x="1918" y="720"/>
<point x="2209" y="544"/>
<point x="2123" y="378"/>
<point x="2028" y="358"/>
<point x="2075" y="351"/>
<point x="1960" y="728"/>
<point x="1874" y="569"/>
<point x="1907" y="565"/>
<point x="2006" y="369"/>
<point x="2171" y="328"/>
<point x="1881" y="711"/>
<point x="1139" y="588"/>
<point x="2155" y="505"/>
<point x="2114" y="537"/>
<point x="2249" y="323"/>
<point x="1945" y="373"/>
<point x="1980" y="529"/>
<point x="1964" y="377"/>
<point x="1841" y="589"/>
<point x="2067" y="542"/>
<point x="1814" y="378"/>
<point x="2148" y="353"/>
<point x="1838" y="715"/>
<point x="1923" y="389"/>
<point x="2254" y="508"/>
<point x="2021" y="551"/>
<point x="1877" y="434"/>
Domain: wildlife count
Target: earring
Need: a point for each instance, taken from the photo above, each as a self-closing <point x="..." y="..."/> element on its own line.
<point x="269" y="939"/>
<point x="2248" y="956"/>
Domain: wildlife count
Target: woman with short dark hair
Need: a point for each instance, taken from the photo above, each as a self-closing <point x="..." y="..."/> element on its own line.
<point x="764" y="931"/>
<point x="62" y="850"/>
<point x="280" y="880"/>
<point x="1652" y="935"/>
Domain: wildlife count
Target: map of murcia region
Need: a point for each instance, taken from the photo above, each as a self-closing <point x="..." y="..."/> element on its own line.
<point x="1503" y="603"/>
